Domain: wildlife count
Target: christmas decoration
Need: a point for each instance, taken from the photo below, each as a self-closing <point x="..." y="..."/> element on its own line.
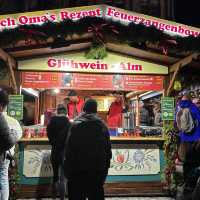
<point x="177" y="86"/>
<point x="103" y="30"/>
<point x="170" y="149"/>
<point x="96" y="52"/>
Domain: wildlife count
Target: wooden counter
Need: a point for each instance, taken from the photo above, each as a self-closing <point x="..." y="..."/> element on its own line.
<point x="136" y="167"/>
<point x="112" y="139"/>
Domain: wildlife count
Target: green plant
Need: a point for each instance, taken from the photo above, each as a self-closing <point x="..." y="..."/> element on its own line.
<point x="96" y="52"/>
<point x="170" y="149"/>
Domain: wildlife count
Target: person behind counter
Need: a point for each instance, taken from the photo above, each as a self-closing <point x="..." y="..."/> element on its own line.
<point x="75" y="105"/>
<point x="144" y="115"/>
<point x="116" y="109"/>
<point x="157" y="115"/>
<point x="57" y="131"/>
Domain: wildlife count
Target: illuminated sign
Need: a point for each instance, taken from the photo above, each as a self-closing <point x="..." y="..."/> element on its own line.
<point x="107" y="12"/>
<point x="76" y="62"/>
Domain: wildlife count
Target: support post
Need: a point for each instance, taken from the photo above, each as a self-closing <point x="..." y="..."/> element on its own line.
<point x="177" y="66"/>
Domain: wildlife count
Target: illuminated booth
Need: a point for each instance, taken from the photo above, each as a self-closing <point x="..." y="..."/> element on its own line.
<point x="49" y="70"/>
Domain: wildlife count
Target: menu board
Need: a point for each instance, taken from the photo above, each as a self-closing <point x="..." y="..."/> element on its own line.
<point x="168" y="110"/>
<point x="15" y="106"/>
<point x="91" y="81"/>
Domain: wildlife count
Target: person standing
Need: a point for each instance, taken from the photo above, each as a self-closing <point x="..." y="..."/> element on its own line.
<point x="87" y="155"/>
<point x="10" y="133"/>
<point x="116" y="109"/>
<point x="75" y="105"/>
<point x="157" y="115"/>
<point x="57" y="131"/>
<point x="144" y="115"/>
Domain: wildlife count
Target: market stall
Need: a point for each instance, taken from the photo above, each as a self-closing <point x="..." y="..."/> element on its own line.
<point x="52" y="60"/>
<point x="138" y="156"/>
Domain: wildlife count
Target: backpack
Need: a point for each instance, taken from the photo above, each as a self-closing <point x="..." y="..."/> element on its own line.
<point x="185" y="121"/>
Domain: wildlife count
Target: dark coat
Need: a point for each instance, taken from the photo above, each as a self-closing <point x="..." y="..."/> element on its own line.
<point x="7" y="137"/>
<point x="57" y="131"/>
<point x="88" y="148"/>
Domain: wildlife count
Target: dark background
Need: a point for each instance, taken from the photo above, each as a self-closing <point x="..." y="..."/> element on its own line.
<point x="187" y="12"/>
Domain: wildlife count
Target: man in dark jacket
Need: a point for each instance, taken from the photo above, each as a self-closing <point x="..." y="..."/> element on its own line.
<point x="88" y="154"/>
<point x="57" y="131"/>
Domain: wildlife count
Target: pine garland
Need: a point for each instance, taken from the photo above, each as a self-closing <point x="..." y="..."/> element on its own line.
<point x="170" y="149"/>
<point x="133" y="34"/>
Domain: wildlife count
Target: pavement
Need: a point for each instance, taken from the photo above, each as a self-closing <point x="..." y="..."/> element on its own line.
<point x="123" y="198"/>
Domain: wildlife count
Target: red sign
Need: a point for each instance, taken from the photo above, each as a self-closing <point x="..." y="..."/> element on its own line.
<point x="91" y="81"/>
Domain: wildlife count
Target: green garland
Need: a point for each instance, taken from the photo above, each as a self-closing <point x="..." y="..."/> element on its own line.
<point x="133" y="34"/>
<point x="170" y="149"/>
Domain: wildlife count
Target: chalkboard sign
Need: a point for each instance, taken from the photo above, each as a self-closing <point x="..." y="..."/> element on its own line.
<point x="168" y="110"/>
<point x="15" y="106"/>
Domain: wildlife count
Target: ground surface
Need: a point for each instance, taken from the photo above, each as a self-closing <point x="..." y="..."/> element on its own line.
<point x="126" y="198"/>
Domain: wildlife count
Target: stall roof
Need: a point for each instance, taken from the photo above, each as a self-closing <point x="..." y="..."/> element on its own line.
<point x="159" y="53"/>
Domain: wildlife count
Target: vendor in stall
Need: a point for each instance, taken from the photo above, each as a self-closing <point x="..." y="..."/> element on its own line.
<point x="75" y="104"/>
<point x="116" y="109"/>
<point x="144" y="115"/>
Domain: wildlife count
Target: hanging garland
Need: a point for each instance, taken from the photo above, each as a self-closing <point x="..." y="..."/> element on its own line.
<point x="103" y="30"/>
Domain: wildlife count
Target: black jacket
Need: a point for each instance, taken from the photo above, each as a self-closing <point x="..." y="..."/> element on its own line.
<point x="57" y="131"/>
<point x="88" y="147"/>
<point x="7" y="138"/>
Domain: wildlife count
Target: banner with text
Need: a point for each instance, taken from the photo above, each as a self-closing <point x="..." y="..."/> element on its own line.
<point x="76" y="62"/>
<point x="92" y="81"/>
<point x="115" y="14"/>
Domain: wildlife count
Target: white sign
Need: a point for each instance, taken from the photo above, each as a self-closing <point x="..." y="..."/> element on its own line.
<point x="37" y="161"/>
<point x="135" y="162"/>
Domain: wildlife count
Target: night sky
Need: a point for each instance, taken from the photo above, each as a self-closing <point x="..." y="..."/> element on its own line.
<point x="187" y="12"/>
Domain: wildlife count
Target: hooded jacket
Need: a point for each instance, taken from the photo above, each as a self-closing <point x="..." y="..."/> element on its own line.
<point x="195" y="112"/>
<point x="88" y="147"/>
<point x="10" y="133"/>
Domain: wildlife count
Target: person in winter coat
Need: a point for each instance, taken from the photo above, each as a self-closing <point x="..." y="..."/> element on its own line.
<point x="75" y="105"/>
<point x="10" y="133"/>
<point x="186" y="102"/>
<point x="116" y="109"/>
<point x="57" y="131"/>
<point x="87" y="156"/>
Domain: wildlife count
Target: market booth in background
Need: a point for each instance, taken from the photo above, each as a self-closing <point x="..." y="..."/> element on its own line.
<point x="68" y="60"/>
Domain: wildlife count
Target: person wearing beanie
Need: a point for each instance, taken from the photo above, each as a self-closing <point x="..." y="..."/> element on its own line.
<point x="87" y="155"/>
<point x="75" y="104"/>
<point x="57" y="131"/>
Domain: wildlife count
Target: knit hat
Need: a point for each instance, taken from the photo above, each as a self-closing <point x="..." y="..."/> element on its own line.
<point x="61" y="109"/>
<point x="90" y="106"/>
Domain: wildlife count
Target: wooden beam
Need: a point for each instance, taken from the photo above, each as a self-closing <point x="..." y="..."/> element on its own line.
<point x="176" y="67"/>
<point x="183" y="62"/>
<point x="47" y="50"/>
<point x="142" y="54"/>
<point x="11" y="65"/>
